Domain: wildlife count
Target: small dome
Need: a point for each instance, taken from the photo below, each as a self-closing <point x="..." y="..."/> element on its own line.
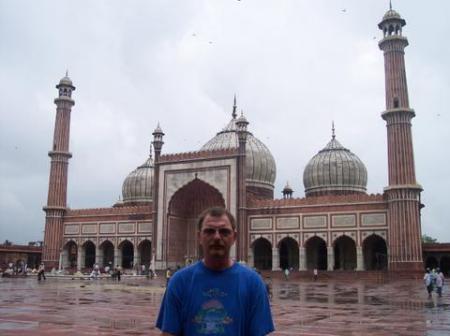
<point x="260" y="164"/>
<point x="334" y="170"/>
<point x="65" y="81"/>
<point x="391" y="14"/>
<point x="138" y="186"/>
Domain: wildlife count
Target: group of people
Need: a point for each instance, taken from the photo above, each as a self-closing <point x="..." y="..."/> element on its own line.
<point x="434" y="279"/>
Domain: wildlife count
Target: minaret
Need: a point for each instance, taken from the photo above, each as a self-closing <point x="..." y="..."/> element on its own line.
<point x="403" y="192"/>
<point x="59" y="163"/>
<point x="242" y="241"/>
<point x="157" y="144"/>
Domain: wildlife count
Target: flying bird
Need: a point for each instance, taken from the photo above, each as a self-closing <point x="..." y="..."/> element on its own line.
<point x="344" y="10"/>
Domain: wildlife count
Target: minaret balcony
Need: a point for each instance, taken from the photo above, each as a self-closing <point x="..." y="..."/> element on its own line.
<point x="398" y="111"/>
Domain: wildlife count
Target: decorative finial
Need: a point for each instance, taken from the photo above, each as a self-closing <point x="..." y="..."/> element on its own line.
<point x="333" y="135"/>
<point x="234" y="114"/>
<point x="151" y="145"/>
<point x="67" y="72"/>
<point x="390" y="4"/>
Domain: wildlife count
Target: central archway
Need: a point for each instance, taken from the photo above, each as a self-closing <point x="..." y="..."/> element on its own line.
<point x="184" y="207"/>
<point x="288" y="251"/>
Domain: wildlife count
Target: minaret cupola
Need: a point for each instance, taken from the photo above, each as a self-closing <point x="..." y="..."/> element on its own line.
<point x="65" y="86"/>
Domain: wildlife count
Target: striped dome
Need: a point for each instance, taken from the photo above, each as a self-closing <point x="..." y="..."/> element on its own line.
<point x="138" y="185"/>
<point x="334" y="170"/>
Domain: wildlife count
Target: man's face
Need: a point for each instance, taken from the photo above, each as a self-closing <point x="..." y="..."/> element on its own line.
<point x="216" y="237"/>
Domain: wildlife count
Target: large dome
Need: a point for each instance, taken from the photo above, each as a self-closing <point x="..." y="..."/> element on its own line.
<point x="260" y="164"/>
<point x="334" y="170"/>
<point x="137" y="187"/>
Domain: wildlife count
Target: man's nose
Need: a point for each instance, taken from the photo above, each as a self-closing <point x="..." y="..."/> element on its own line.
<point x="217" y="234"/>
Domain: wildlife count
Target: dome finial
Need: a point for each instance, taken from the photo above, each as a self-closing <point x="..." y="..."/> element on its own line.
<point x="333" y="134"/>
<point x="67" y="72"/>
<point x="390" y="4"/>
<point x="151" y="146"/>
<point x="234" y="114"/>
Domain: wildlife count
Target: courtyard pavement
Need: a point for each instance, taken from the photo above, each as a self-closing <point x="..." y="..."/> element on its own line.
<point x="104" y="307"/>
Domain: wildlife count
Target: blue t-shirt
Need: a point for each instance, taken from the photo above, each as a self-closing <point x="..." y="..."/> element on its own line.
<point x="200" y="301"/>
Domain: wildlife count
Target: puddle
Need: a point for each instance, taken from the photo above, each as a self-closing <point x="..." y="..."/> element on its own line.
<point x="15" y="325"/>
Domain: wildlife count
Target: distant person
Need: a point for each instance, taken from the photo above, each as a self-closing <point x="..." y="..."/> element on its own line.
<point x="439" y="282"/>
<point x="118" y="272"/>
<point x="286" y="274"/>
<point x="428" y="280"/>
<point x="41" y="272"/>
<point x="315" y="274"/>
<point x="216" y="296"/>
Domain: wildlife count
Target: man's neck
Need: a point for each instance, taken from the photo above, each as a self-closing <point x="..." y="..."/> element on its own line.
<point x="218" y="264"/>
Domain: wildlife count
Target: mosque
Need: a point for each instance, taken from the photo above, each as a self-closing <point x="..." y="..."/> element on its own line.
<point x="336" y="226"/>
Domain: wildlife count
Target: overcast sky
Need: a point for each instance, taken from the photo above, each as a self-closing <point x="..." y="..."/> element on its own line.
<point x="295" y="66"/>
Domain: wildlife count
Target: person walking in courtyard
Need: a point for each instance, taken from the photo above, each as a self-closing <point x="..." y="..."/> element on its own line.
<point x="41" y="272"/>
<point x="286" y="274"/>
<point x="118" y="272"/>
<point x="439" y="282"/>
<point x="315" y="274"/>
<point x="216" y="295"/>
<point x="428" y="279"/>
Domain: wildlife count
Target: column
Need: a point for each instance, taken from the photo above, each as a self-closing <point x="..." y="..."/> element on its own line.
<point x="99" y="256"/>
<point x="65" y="258"/>
<point x="136" y="258"/>
<point x="359" y="259"/>
<point x="302" y="259"/>
<point x="80" y="258"/>
<point x="330" y="258"/>
<point x="275" y="260"/>
<point x="117" y="256"/>
<point x="251" y="261"/>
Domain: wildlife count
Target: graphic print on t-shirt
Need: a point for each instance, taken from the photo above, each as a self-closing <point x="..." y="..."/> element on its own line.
<point x="212" y="316"/>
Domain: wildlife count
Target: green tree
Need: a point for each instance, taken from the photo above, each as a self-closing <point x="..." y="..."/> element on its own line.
<point x="428" y="239"/>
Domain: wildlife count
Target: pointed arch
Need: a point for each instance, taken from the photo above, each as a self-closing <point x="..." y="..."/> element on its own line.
<point x="374" y="252"/>
<point x="289" y="253"/>
<point x="126" y="248"/>
<point x="107" y="248"/>
<point x="344" y="253"/>
<point x="88" y="249"/>
<point x="184" y="208"/>
<point x="316" y="253"/>
<point x="262" y="254"/>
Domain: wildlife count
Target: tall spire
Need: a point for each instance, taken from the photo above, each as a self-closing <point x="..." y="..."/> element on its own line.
<point x="390" y="4"/>
<point x="333" y="135"/>
<point x="234" y="114"/>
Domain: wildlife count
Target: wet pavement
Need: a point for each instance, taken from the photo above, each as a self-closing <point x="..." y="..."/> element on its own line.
<point x="104" y="307"/>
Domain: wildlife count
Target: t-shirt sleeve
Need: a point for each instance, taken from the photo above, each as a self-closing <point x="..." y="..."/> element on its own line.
<point x="169" y="317"/>
<point x="260" y="315"/>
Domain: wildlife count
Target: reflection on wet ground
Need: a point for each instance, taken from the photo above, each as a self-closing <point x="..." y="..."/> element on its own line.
<point x="300" y="307"/>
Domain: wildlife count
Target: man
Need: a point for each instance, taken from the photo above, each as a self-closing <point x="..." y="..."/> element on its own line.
<point x="439" y="281"/>
<point x="41" y="272"/>
<point x="428" y="279"/>
<point x="216" y="296"/>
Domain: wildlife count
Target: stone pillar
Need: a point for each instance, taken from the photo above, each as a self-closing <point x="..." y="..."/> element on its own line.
<point x="65" y="258"/>
<point x="136" y="257"/>
<point x="330" y="258"/>
<point x="251" y="261"/>
<point x="80" y="258"/>
<point x="275" y="260"/>
<point x="302" y="259"/>
<point x="117" y="256"/>
<point x="359" y="259"/>
<point x="99" y="256"/>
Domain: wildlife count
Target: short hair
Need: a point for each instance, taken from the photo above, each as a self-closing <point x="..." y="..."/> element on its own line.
<point x="216" y="212"/>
